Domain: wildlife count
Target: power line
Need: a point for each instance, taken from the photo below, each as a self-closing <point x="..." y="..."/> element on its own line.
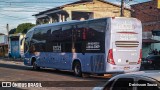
<point x="38" y="11"/>
<point x="14" y="17"/>
<point x="28" y="4"/>
<point x="19" y="11"/>
<point x="27" y="9"/>
<point x="38" y="2"/>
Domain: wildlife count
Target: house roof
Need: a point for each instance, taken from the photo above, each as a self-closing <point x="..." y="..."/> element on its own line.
<point x="76" y="3"/>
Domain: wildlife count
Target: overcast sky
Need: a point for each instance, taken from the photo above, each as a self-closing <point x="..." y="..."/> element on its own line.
<point x="15" y="12"/>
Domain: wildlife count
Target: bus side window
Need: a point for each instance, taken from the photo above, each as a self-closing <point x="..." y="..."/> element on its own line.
<point x="55" y="39"/>
<point x="67" y="38"/>
<point x="39" y="39"/>
<point x="95" y="36"/>
<point x="80" y="39"/>
<point x="46" y="34"/>
<point x="35" y="40"/>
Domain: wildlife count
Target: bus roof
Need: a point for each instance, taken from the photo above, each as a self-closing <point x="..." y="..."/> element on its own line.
<point x="71" y="22"/>
<point x="58" y="23"/>
<point x="66" y="22"/>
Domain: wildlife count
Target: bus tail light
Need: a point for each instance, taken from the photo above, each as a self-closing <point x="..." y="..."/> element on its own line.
<point x="110" y="57"/>
<point x="140" y="57"/>
<point x="113" y="17"/>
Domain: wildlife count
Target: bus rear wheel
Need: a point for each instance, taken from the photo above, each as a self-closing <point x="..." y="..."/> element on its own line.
<point x="77" y="69"/>
<point x="35" y="67"/>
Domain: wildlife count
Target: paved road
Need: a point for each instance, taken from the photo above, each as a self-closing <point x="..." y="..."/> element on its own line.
<point x="61" y="80"/>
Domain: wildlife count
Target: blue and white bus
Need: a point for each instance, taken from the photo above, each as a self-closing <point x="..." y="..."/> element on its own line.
<point x="105" y="45"/>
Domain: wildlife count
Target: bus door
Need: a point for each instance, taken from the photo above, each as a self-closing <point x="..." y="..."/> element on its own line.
<point x="60" y="44"/>
<point x="66" y="46"/>
<point x="56" y="57"/>
<point x="15" y="47"/>
<point x="71" y="45"/>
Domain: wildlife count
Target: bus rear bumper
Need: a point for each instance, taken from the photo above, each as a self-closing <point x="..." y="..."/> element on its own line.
<point x="122" y="68"/>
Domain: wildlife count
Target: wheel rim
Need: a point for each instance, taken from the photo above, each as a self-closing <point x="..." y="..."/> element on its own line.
<point x="77" y="69"/>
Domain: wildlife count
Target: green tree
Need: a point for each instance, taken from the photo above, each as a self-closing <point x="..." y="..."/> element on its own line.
<point x="12" y="31"/>
<point x="24" y="27"/>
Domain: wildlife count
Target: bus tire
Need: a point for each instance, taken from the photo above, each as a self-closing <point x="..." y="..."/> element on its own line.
<point x="35" y="67"/>
<point x="77" y="69"/>
<point x="85" y="75"/>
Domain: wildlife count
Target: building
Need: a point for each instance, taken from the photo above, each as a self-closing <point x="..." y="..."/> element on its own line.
<point x="149" y="14"/>
<point x="3" y="45"/>
<point x="80" y="10"/>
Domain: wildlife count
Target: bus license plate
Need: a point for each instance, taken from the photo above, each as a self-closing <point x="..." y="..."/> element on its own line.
<point x="132" y="63"/>
<point x="126" y="68"/>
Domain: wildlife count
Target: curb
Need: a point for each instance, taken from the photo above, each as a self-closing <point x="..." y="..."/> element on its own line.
<point x="11" y="59"/>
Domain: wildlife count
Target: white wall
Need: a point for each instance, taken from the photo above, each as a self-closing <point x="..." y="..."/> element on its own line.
<point x="3" y="39"/>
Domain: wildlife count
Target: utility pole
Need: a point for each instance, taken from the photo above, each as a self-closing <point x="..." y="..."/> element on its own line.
<point x="122" y="8"/>
<point x="7" y="27"/>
